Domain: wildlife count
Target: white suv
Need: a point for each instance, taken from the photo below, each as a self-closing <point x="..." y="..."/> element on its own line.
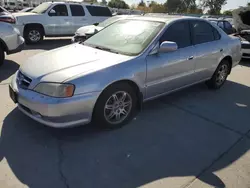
<point x="58" y="19"/>
<point x="10" y="40"/>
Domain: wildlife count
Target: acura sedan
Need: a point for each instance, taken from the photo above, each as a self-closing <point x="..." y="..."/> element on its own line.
<point x="107" y="78"/>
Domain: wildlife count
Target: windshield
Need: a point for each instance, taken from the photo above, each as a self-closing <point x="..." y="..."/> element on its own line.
<point x="109" y="21"/>
<point x="128" y="37"/>
<point x="41" y="8"/>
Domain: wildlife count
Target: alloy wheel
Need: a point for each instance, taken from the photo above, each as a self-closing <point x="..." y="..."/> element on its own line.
<point x="222" y="74"/>
<point x="118" y="107"/>
<point x="34" y="35"/>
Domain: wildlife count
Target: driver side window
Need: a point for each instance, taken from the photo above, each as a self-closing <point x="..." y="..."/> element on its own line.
<point x="59" y="10"/>
<point x="178" y="32"/>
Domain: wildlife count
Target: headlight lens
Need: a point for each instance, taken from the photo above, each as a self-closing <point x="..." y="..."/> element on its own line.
<point x="55" y="89"/>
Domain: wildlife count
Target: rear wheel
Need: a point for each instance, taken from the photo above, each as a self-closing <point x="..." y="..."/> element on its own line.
<point x="220" y="75"/>
<point x="2" y="55"/>
<point x="115" y="107"/>
<point x="33" y="35"/>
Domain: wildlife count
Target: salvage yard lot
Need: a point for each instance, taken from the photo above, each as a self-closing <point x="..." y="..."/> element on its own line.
<point x="193" y="138"/>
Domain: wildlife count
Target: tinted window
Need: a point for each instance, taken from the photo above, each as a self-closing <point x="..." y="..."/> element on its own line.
<point x="179" y="33"/>
<point x="216" y="34"/>
<point x="99" y="11"/>
<point x="221" y="25"/>
<point x="77" y="10"/>
<point x="228" y="25"/>
<point x="60" y="10"/>
<point x="202" y="32"/>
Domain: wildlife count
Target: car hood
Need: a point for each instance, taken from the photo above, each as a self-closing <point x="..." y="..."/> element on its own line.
<point x="66" y="62"/>
<point x="20" y="14"/>
<point x="90" y="29"/>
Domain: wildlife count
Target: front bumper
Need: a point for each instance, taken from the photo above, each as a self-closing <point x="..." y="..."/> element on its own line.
<point x="55" y="112"/>
<point x="78" y="38"/>
<point x="19" y="47"/>
<point x="245" y="49"/>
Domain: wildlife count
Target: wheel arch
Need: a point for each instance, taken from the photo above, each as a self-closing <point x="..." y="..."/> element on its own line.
<point x="34" y="25"/>
<point x="229" y="60"/>
<point x="3" y="45"/>
<point x="133" y="84"/>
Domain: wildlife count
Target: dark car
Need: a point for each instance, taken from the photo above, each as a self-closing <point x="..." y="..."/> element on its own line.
<point x="224" y="25"/>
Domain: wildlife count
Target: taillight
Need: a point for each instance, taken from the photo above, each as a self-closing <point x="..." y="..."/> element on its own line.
<point x="8" y="20"/>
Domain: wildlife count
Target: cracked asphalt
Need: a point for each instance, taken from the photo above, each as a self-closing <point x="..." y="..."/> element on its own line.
<point x="194" y="138"/>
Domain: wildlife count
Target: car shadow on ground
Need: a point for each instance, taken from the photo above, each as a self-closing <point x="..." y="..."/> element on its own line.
<point x="48" y="44"/>
<point x="245" y="62"/>
<point x="140" y="153"/>
<point x="8" y="69"/>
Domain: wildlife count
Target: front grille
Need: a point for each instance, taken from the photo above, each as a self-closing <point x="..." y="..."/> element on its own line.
<point x="23" y="81"/>
<point x="245" y="46"/>
<point x="245" y="55"/>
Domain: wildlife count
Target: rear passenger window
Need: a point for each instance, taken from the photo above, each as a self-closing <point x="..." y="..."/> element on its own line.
<point x="99" y="11"/>
<point x="179" y="33"/>
<point x="202" y="32"/>
<point x="77" y="10"/>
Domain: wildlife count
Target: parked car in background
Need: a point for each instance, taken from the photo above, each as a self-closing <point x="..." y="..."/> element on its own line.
<point x="10" y="40"/>
<point x="28" y="9"/>
<point x="224" y="25"/>
<point x="241" y="20"/>
<point x="6" y="16"/>
<point x="58" y="19"/>
<point x="106" y="78"/>
<point x="85" y="32"/>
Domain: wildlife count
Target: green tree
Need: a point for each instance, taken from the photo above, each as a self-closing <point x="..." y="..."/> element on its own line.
<point x="157" y="8"/>
<point x="118" y="4"/>
<point x="104" y="2"/>
<point x="174" y="6"/>
<point x="214" y="6"/>
<point x="227" y="13"/>
<point x="142" y="4"/>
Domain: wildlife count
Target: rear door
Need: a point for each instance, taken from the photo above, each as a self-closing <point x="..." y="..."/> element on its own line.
<point x="209" y="48"/>
<point x="78" y="16"/>
<point x="98" y="13"/>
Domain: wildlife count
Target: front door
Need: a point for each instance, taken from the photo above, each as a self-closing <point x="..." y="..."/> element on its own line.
<point x="58" y="22"/>
<point x="171" y="70"/>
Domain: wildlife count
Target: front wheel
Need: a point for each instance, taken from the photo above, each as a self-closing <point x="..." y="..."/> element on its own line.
<point x="115" y="107"/>
<point x="33" y="35"/>
<point x="2" y="56"/>
<point x="220" y="75"/>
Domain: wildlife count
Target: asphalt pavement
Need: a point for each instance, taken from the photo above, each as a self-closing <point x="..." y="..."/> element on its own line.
<point x="194" y="138"/>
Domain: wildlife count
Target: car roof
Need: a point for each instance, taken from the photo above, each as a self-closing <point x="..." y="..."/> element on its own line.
<point x="72" y="2"/>
<point x="164" y="18"/>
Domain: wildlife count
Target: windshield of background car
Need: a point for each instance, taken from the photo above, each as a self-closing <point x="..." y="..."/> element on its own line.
<point x="109" y="21"/>
<point x="128" y="37"/>
<point x="41" y="8"/>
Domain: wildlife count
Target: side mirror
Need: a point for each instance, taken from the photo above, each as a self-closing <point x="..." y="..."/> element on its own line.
<point x="168" y="46"/>
<point x="52" y="12"/>
<point x="96" y="24"/>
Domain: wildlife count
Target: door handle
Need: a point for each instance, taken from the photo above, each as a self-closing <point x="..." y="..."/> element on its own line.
<point x="191" y="57"/>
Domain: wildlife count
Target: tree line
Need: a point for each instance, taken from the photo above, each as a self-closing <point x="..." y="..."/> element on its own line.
<point x="212" y="7"/>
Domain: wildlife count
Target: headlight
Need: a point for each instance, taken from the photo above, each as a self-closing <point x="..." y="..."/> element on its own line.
<point x="55" y="89"/>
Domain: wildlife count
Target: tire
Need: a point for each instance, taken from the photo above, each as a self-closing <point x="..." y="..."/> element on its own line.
<point x="2" y="56"/>
<point x="33" y="35"/>
<point x="220" y="75"/>
<point x="107" y="106"/>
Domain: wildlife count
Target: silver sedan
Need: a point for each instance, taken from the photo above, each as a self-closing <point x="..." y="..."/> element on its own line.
<point x="106" y="78"/>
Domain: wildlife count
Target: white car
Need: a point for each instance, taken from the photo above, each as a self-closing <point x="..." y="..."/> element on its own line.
<point x="85" y="32"/>
<point x="58" y="19"/>
<point x="10" y="40"/>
